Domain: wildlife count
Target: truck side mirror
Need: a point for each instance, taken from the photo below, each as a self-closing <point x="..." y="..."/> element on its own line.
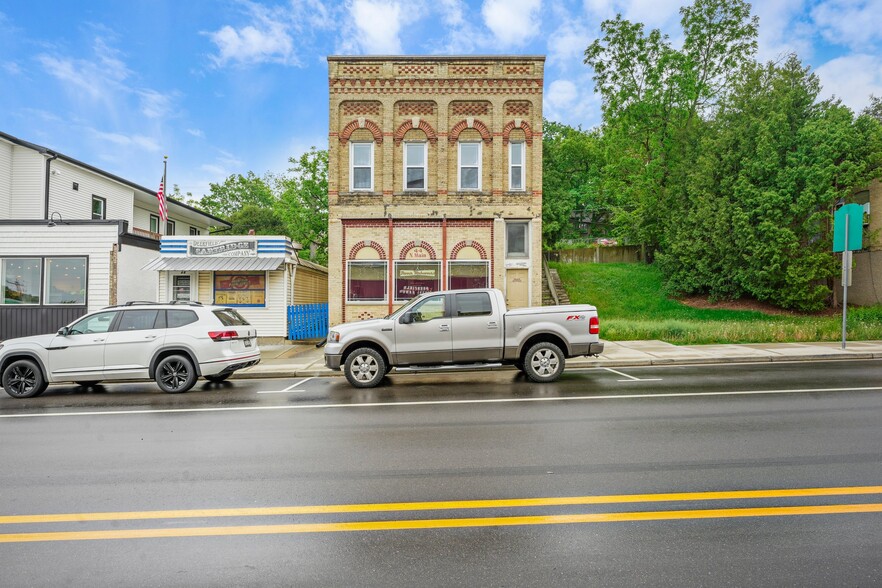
<point x="406" y="318"/>
<point x="64" y="331"/>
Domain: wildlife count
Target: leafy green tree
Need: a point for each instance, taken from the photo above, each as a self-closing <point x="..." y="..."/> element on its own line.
<point x="571" y="163"/>
<point x="303" y="203"/>
<point x="261" y="220"/>
<point x="236" y="192"/>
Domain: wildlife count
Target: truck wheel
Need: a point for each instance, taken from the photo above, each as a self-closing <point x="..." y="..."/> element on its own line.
<point x="364" y="368"/>
<point x="23" y="379"/>
<point x="544" y="362"/>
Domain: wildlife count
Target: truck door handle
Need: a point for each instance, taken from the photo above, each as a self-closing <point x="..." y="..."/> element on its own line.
<point x="444" y="328"/>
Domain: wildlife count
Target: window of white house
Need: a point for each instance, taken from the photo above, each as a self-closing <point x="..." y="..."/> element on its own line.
<point x="361" y="157"/>
<point x="154" y="223"/>
<point x="99" y="208"/>
<point x="65" y="280"/>
<point x="366" y="281"/>
<point x="468" y="274"/>
<point x="194" y="231"/>
<point x="21" y="280"/>
<point x="415" y="166"/>
<point x="516" y="167"/>
<point x="169" y="227"/>
<point x="517" y="241"/>
<point x="416" y="277"/>
<point x="469" y="166"/>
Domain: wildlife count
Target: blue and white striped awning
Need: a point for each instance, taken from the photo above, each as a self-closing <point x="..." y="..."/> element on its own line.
<point x="233" y="264"/>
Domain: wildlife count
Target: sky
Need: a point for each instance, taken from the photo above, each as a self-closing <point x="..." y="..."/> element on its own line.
<point x="228" y="86"/>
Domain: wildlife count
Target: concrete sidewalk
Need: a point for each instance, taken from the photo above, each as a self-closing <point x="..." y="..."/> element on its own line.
<point x="292" y="361"/>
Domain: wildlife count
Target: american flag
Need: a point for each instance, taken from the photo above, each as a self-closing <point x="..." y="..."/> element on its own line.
<point x="160" y="196"/>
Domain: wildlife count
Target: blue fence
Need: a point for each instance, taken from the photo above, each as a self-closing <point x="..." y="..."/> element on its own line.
<point x="308" y="321"/>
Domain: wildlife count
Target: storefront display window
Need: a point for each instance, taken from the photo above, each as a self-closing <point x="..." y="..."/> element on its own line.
<point x="367" y="281"/>
<point x="414" y="278"/>
<point x="468" y="274"/>
<point x="21" y="280"/>
<point x="240" y="289"/>
<point x="66" y="280"/>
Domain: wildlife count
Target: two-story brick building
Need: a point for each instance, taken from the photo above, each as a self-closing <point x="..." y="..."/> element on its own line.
<point x="434" y="179"/>
<point x="74" y="238"/>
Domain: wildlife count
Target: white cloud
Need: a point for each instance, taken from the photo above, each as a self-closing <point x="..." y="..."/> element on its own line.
<point x="783" y="29"/>
<point x="655" y="14"/>
<point x="155" y="104"/>
<point x="572" y="102"/>
<point x="512" y="22"/>
<point x="266" y="42"/>
<point x="561" y="94"/>
<point x="121" y="140"/>
<point x="377" y="25"/>
<point x="566" y="46"/>
<point x="853" y="23"/>
<point x="852" y="78"/>
<point x="452" y="12"/>
<point x="196" y="133"/>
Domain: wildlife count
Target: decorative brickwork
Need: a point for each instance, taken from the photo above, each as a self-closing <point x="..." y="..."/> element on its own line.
<point x="366" y="315"/>
<point x="463" y="244"/>
<point x="507" y="129"/>
<point x="361" y="70"/>
<point x="362" y="244"/>
<point x="470" y="109"/>
<point x="410" y="70"/>
<point x="413" y="244"/>
<point x="459" y="127"/>
<point x="361" y="109"/>
<point x="518" y="70"/>
<point x="408" y="125"/>
<point x="416" y="108"/>
<point x="519" y="109"/>
<point x="370" y="125"/>
<point x="469" y="70"/>
<point x="440" y="87"/>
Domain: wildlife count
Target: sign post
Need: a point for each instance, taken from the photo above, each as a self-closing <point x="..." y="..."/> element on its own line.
<point x="848" y="224"/>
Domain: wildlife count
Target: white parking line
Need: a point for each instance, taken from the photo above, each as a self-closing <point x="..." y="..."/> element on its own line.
<point x="288" y="389"/>
<point x="632" y="378"/>
<point x="441" y="402"/>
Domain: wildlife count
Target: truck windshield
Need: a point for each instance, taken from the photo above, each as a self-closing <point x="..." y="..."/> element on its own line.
<point x="402" y="307"/>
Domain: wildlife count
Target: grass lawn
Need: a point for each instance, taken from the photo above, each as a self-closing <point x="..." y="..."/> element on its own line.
<point x="632" y="306"/>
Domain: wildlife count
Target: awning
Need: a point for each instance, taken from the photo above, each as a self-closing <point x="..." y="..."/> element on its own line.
<point x="231" y="264"/>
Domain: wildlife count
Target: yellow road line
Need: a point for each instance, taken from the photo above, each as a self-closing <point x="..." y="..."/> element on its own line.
<point x="441" y="505"/>
<point x="441" y="523"/>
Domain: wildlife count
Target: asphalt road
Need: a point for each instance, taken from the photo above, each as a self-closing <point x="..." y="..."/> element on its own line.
<point x="719" y="475"/>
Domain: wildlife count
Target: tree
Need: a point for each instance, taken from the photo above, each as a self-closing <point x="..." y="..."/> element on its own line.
<point x="236" y="192"/>
<point x="303" y="203"/>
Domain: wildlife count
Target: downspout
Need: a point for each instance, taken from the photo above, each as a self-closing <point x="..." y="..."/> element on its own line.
<point x="391" y="267"/>
<point x="46" y="197"/>
<point x="444" y="284"/>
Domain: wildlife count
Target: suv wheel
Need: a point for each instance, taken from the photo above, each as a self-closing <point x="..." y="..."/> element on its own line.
<point x="175" y="374"/>
<point x="23" y="379"/>
<point x="544" y="362"/>
<point x="364" y="368"/>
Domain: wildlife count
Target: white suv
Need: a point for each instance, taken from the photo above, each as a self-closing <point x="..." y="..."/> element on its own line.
<point x="172" y="343"/>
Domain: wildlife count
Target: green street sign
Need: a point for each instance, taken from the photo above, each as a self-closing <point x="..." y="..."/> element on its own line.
<point x="852" y="240"/>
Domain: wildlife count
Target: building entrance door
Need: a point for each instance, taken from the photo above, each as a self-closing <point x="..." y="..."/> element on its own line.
<point x="517" y="288"/>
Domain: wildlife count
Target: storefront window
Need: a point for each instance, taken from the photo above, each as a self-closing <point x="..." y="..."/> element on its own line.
<point x="21" y="280"/>
<point x="367" y="281"/>
<point x="468" y="274"/>
<point x="414" y="278"/>
<point x="240" y="289"/>
<point x="66" y="280"/>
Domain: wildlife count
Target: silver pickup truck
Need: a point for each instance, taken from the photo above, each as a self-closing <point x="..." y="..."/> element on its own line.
<point x="463" y="329"/>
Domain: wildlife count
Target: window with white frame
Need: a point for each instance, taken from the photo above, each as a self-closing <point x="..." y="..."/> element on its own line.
<point x="361" y="172"/>
<point x="516" y="166"/>
<point x="416" y="277"/>
<point x="154" y="223"/>
<point x="194" y="231"/>
<point x="169" y="227"/>
<point x="517" y="239"/>
<point x="99" y="208"/>
<point x="462" y="275"/>
<point x="366" y="281"/>
<point x="469" y="166"/>
<point x="415" y="171"/>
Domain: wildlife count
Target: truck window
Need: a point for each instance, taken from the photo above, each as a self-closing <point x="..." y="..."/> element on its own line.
<point x="473" y="304"/>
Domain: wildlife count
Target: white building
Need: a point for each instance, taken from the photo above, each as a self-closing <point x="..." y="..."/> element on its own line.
<point x="74" y="238"/>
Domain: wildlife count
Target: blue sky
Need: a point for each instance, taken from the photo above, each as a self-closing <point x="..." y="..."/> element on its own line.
<point x="227" y="86"/>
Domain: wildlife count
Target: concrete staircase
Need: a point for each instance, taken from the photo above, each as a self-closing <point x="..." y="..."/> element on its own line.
<point x="551" y="280"/>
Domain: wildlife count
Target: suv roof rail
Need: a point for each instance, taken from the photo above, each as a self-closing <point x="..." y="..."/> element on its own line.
<point x="187" y="302"/>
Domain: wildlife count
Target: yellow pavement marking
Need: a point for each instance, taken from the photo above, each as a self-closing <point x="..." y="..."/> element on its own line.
<point x="441" y="505"/>
<point x="442" y="523"/>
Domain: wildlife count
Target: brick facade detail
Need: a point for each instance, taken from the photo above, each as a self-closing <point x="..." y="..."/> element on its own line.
<point x="462" y="125"/>
<point x="407" y="125"/>
<point x="463" y="244"/>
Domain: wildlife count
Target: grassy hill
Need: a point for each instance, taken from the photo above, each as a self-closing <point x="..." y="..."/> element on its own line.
<point x="632" y="305"/>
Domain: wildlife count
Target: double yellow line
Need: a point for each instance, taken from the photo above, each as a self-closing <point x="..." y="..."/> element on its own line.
<point x="768" y="511"/>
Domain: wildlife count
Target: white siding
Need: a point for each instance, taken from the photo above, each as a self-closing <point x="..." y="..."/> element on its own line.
<point x="132" y="283"/>
<point x="77" y="204"/>
<point x="142" y="218"/>
<point x="5" y="178"/>
<point x="28" y="197"/>
<point x="93" y="241"/>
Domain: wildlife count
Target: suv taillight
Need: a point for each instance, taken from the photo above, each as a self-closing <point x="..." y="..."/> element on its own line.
<point x="594" y="325"/>
<point x="223" y="335"/>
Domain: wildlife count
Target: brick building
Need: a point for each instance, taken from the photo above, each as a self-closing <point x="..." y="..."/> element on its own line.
<point x="434" y="179"/>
